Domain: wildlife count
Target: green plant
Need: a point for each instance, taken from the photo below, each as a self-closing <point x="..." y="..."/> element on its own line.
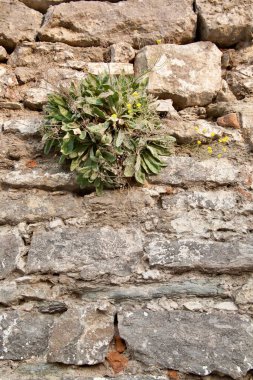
<point x="107" y="129"/>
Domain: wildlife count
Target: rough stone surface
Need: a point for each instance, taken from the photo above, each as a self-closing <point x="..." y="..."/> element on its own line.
<point x="190" y="75"/>
<point x="11" y="249"/>
<point x="230" y="120"/>
<point x="74" y="250"/>
<point x="113" y="68"/>
<point x="87" y="335"/>
<point x="23" y="335"/>
<point x="14" y="27"/>
<point x="240" y="80"/>
<point x="81" y="23"/>
<point x="182" y="170"/>
<point x="159" y="338"/>
<point x="208" y="256"/>
<point x="225" y="23"/>
<point x="121" y="52"/>
<point x="3" y="54"/>
<point x="26" y="127"/>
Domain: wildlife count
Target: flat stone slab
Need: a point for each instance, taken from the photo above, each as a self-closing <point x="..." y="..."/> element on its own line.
<point x="80" y="23"/>
<point x="79" y="250"/>
<point x="182" y="170"/>
<point x="190" y="74"/>
<point x="190" y="342"/>
<point x="14" y="27"/>
<point x="23" y="335"/>
<point x="11" y="248"/>
<point x="87" y="335"/>
<point x="225" y="22"/>
<point x="207" y="256"/>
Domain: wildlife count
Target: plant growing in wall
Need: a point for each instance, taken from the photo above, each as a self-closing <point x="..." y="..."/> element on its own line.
<point x="107" y="129"/>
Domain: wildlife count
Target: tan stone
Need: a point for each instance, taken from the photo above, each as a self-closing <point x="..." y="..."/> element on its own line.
<point x="122" y="52"/>
<point x="190" y="74"/>
<point x="3" y="54"/>
<point x="230" y="120"/>
<point x="225" y="22"/>
<point x="17" y="23"/>
<point x="95" y="23"/>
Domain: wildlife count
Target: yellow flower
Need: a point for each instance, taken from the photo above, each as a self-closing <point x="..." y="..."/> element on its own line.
<point x="158" y="42"/>
<point x="224" y="140"/>
<point x="135" y="94"/>
<point x="130" y="111"/>
<point x="204" y="130"/>
<point x="224" y="149"/>
<point x="210" y="149"/>
<point x="196" y="129"/>
<point x="114" y="117"/>
<point x="213" y="134"/>
<point x="219" y="155"/>
<point x="138" y="105"/>
<point x="129" y="105"/>
<point x="199" y="142"/>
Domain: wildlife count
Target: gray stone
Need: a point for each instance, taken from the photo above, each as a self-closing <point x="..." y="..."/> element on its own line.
<point x="240" y="80"/>
<point x="39" y="179"/>
<point x="201" y="288"/>
<point x="26" y="127"/>
<point x="225" y="94"/>
<point x="225" y="22"/>
<point x="79" y="250"/>
<point x="14" y="27"/>
<point x="121" y="52"/>
<point x="165" y="107"/>
<point x="81" y="23"/>
<point x="183" y="170"/>
<point x="10" y="105"/>
<point x="36" y="97"/>
<point x="34" y="206"/>
<point x="190" y="75"/>
<point x="11" y="249"/>
<point x="113" y="68"/>
<point x="87" y="335"/>
<point x="207" y="256"/>
<point x="211" y="200"/>
<point x="7" y="80"/>
<point x="190" y="342"/>
<point x="223" y="108"/>
<point x="3" y="54"/>
<point x="245" y="294"/>
<point x="23" y="335"/>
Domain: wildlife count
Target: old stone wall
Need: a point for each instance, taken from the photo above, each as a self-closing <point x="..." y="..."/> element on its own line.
<point x="148" y="283"/>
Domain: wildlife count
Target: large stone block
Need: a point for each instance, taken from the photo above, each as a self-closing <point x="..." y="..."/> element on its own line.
<point x="34" y="206"/>
<point x="225" y="22"/>
<point x="183" y="170"/>
<point x="81" y="23"/>
<point x="23" y="335"/>
<point x="190" y="74"/>
<point x="17" y="23"/>
<point x="190" y="342"/>
<point x="207" y="256"/>
<point x="43" y="5"/>
<point x="87" y="335"/>
<point x="93" y="253"/>
<point x="11" y="248"/>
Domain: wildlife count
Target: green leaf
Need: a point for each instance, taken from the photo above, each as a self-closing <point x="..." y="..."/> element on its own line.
<point x="67" y="147"/>
<point x="49" y="145"/>
<point x="140" y="176"/>
<point x="153" y="167"/>
<point x="119" y="138"/>
<point x="129" y="164"/>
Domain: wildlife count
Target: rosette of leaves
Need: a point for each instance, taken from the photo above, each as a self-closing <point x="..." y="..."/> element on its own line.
<point x="106" y="128"/>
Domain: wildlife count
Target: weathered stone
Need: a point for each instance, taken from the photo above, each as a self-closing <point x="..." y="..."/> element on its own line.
<point x="87" y="335"/>
<point x="11" y="249"/>
<point x="31" y="54"/>
<point x="230" y="121"/>
<point x="3" y="54"/>
<point x="225" y="94"/>
<point x="34" y="206"/>
<point x="245" y="294"/>
<point x="112" y="68"/>
<point x="225" y="23"/>
<point x="14" y="27"/>
<point x="121" y="52"/>
<point x="26" y="127"/>
<point x="39" y="179"/>
<point x="211" y="200"/>
<point x="35" y="98"/>
<point x="182" y="170"/>
<point x="225" y="305"/>
<point x="53" y="307"/>
<point x="201" y="288"/>
<point x="247" y="127"/>
<point x="165" y="108"/>
<point x="43" y="5"/>
<point x="207" y="256"/>
<point x="190" y="75"/>
<point x="7" y="80"/>
<point x="79" y="250"/>
<point x="10" y="105"/>
<point x="240" y="80"/>
<point x="190" y="342"/>
<point x="81" y="23"/>
<point x="23" y="335"/>
<point x="223" y="108"/>
<point x="193" y="113"/>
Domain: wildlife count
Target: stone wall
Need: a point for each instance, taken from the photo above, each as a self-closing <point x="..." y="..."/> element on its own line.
<point x="144" y="283"/>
